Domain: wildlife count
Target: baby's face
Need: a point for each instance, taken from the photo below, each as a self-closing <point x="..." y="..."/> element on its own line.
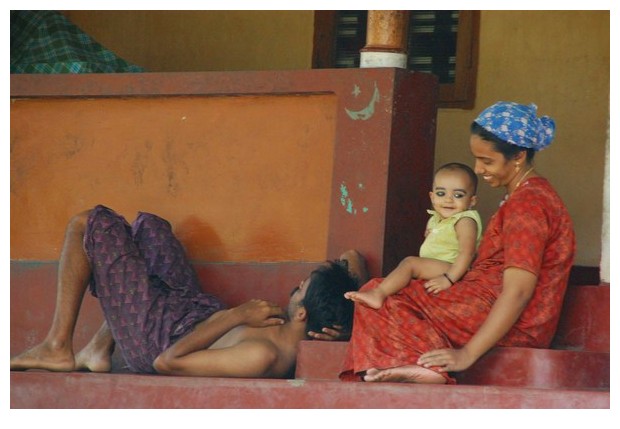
<point x="452" y="193"/>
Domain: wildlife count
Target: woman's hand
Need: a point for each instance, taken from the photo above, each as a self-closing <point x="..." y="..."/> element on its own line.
<point x="447" y="360"/>
<point x="259" y="313"/>
<point x="330" y="334"/>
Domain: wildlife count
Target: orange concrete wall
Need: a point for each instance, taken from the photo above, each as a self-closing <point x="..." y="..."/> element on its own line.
<point x="240" y="178"/>
<point x="248" y="166"/>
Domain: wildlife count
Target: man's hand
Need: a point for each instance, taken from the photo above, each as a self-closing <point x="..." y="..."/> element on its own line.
<point x="259" y="313"/>
<point x="330" y="334"/>
<point x="447" y="360"/>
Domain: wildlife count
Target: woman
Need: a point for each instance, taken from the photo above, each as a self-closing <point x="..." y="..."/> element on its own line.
<point x="512" y="296"/>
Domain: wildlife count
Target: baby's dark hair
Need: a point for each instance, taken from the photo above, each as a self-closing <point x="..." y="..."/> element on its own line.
<point x="325" y="303"/>
<point x="454" y="166"/>
<point x="509" y="150"/>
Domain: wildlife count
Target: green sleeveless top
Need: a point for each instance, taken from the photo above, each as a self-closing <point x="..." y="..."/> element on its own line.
<point x="441" y="242"/>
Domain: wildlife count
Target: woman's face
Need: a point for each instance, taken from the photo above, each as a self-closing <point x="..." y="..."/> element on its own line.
<point x="491" y="165"/>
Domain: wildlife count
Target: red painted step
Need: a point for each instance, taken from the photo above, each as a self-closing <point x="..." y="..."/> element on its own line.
<point x="515" y="366"/>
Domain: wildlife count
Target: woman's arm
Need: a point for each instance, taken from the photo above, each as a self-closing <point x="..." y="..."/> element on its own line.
<point x="518" y="287"/>
<point x="187" y="356"/>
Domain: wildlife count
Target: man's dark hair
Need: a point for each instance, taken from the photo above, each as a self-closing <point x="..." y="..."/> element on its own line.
<point x="325" y="303"/>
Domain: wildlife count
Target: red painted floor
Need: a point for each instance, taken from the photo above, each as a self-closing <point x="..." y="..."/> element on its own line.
<point x="84" y="390"/>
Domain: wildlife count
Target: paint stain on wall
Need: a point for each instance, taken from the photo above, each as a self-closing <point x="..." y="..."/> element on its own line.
<point x="346" y="200"/>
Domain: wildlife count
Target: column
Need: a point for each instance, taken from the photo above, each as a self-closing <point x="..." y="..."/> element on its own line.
<point x="386" y="39"/>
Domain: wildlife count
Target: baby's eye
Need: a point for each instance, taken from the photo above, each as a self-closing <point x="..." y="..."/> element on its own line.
<point x="440" y="193"/>
<point x="458" y="195"/>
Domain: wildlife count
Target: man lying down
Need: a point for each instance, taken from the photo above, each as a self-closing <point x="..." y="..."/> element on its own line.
<point x="157" y="315"/>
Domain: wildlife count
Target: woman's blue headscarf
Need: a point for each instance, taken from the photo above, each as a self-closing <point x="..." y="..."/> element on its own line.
<point x="518" y="124"/>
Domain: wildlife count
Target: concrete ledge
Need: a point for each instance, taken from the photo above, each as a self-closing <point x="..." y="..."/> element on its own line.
<point x="34" y="389"/>
<point x="514" y="367"/>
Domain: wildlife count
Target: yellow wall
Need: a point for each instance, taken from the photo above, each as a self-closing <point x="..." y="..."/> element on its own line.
<point x="556" y="59"/>
<point x="204" y="40"/>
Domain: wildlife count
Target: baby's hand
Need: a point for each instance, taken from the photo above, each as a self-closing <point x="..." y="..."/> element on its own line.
<point x="437" y="284"/>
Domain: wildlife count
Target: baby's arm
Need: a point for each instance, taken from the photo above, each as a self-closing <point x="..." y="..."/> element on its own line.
<point x="466" y="233"/>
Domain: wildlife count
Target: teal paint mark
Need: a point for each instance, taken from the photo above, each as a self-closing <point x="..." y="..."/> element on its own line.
<point x="368" y="111"/>
<point x="347" y="201"/>
<point x="344" y="194"/>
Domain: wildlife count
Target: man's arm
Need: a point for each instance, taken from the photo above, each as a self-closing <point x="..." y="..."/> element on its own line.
<point x="357" y="266"/>
<point x="191" y="354"/>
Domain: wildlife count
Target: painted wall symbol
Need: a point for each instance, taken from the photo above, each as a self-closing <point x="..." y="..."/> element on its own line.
<point x="347" y="201"/>
<point x="368" y="111"/>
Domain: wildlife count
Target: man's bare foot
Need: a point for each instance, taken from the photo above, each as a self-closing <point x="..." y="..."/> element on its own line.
<point x="44" y="356"/>
<point x="371" y="298"/>
<point x="405" y="374"/>
<point x="94" y="358"/>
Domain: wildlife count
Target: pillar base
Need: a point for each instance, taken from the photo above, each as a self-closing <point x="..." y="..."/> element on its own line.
<point x="370" y="59"/>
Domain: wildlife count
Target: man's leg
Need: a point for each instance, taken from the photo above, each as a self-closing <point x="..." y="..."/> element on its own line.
<point x="163" y="253"/>
<point x="55" y="353"/>
<point x="132" y="303"/>
<point x="96" y="356"/>
<point x="166" y="259"/>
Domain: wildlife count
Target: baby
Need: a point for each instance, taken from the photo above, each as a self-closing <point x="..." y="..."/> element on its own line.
<point x="452" y="236"/>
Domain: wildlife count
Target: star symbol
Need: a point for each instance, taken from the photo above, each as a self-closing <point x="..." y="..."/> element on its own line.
<point x="356" y="91"/>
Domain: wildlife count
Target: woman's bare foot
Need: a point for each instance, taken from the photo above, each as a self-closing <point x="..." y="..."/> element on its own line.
<point x="44" y="356"/>
<point x="371" y="298"/>
<point x="405" y="374"/>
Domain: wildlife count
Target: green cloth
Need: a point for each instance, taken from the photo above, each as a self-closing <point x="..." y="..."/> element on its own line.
<point x="45" y="41"/>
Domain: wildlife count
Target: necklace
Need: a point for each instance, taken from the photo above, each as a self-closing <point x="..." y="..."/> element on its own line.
<point x="516" y="186"/>
<point x="523" y="177"/>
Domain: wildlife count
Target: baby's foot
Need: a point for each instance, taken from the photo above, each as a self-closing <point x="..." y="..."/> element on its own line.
<point x="372" y="298"/>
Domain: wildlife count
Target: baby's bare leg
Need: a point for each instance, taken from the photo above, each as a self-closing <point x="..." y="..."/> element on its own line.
<point x="412" y="267"/>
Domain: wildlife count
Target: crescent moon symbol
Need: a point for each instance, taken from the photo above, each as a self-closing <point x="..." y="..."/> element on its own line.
<point x="368" y="111"/>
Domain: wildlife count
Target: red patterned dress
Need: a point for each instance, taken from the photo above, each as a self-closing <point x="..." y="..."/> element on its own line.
<point x="532" y="231"/>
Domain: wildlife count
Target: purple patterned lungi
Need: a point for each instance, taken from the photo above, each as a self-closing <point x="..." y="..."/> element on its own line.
<point x="149" y="293"/>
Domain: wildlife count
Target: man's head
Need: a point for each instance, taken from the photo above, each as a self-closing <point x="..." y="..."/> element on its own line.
<point x="322" y="297"/>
